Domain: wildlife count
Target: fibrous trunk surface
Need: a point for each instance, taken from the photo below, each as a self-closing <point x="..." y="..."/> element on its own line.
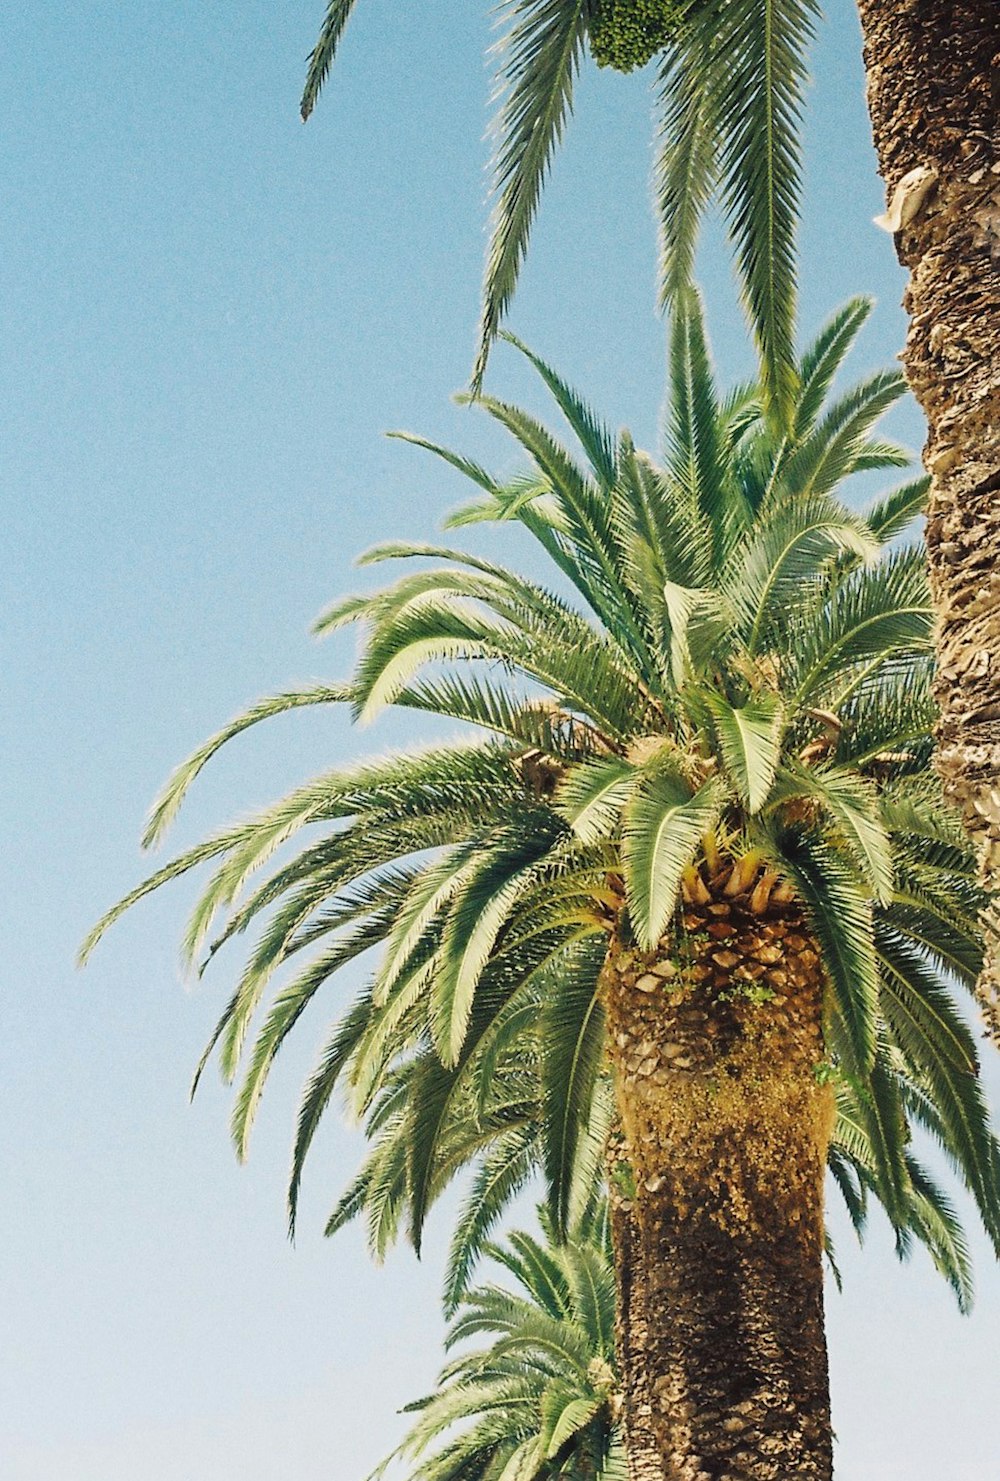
<point x="934" y="95"/>
<point x="646" y="1459"/>
<point x="717" y="1192"/>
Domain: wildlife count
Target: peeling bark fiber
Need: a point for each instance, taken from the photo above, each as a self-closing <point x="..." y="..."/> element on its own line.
<point x="934" y="96"/>
<point x="717" y="1196"/>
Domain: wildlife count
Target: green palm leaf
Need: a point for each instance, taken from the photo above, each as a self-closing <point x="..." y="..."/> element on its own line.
<point x="872" y="616"/>
<point x="538" y="57"/>
<point x="852" y="806"/>
<point x="572" y="1026"/>
<point x="750" y="740"/>
<point x="166" y="806"/>
<point x="685" y="171"/>
<point x="758" y="79"/>
<point x="835" y="448"/>
<point x="824" y="357"/>
<point x="767" y="571"/>
<point x="594" y="437"/>
<point x="501" y="1175"/>
<point x="321" y="57"/>
<point x="694" y="455"/>
<point x="663" y="825"/>
<point x="573" y="1416"/>
<point x="591" y="796"/>
<point x="475" y="920"/>
<point x="894" y="513"/>
<point x="940" y="1231"/>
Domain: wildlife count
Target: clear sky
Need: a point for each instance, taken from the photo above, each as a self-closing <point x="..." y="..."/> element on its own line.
<point x="210" y="314"/>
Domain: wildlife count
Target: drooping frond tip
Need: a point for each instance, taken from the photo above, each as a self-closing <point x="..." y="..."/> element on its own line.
<point x="537" y="60"/>
<point x="322" y="55"/>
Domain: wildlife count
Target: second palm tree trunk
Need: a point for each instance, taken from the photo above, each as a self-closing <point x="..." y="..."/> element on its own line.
<point x="716" y="1043"/>
<point x="934" y="95"/>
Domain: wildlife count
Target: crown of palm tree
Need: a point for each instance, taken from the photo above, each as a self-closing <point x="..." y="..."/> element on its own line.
<point x="539" y="1401"/>
<point x="729" y="89"/>
<point x="739" y="681"/>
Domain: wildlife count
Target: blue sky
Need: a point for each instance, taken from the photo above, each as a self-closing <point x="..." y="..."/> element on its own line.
<point x="210" y="315"/>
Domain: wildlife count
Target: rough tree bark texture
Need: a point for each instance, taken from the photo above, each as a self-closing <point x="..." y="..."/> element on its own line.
<point x="646" y="1460"/>
<point x="934" y="96"/>
<point x="715" y="1042"/>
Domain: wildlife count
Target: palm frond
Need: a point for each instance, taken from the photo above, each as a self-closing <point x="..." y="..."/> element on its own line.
<point x="537" y="60"/>
<point x="895" y="512"/>
<point x="758" y="78"/>
<point x="319" y="1088"/>
<point x="685" y="170"/>
<point x="824" y="357"/>
<point x="834" y="449"/>
<point x="166" y="806"/>
<point x="750" y="738"/>
<point x="500" y="1177"/>
<point x="338" y="13"/>
<point x="852" y="806"/>
<point x="663" y="825"/>
<point x="594" y="437"/>
<point x="692" y="433"/>
<point x="783" y="552"/>
<point x="878" y="614"/>
<point x="572" y="1033"/>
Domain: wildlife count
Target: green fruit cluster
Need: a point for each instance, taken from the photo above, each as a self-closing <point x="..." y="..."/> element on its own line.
<point x="626" y="34"/>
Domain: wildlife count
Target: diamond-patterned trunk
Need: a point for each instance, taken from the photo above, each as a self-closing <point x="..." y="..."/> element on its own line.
<point x="933" y="70"/>
<point x="717" y="1192"/>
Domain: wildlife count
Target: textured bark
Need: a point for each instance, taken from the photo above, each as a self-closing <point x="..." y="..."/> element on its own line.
<point x="934" y="94"/>
<point x="716" y="1041"/>
<point x="646" y="1460"/>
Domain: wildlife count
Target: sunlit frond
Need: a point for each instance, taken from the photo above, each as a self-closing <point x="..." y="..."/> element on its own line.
<point x="714" y="670"/>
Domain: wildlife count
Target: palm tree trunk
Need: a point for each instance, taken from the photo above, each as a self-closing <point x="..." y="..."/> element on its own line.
<point x="646" y="1459"/>
<point x="716" y="1042"/>
<point x="934" y="96"/>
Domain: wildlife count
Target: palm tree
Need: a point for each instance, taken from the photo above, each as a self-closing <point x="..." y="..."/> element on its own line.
<point x="729" y="87"/>
<point x="730" y="82"/>
<point x="694" y="843"/>
<point x="932" y="93"/>
<point x="540" y="1401"/>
